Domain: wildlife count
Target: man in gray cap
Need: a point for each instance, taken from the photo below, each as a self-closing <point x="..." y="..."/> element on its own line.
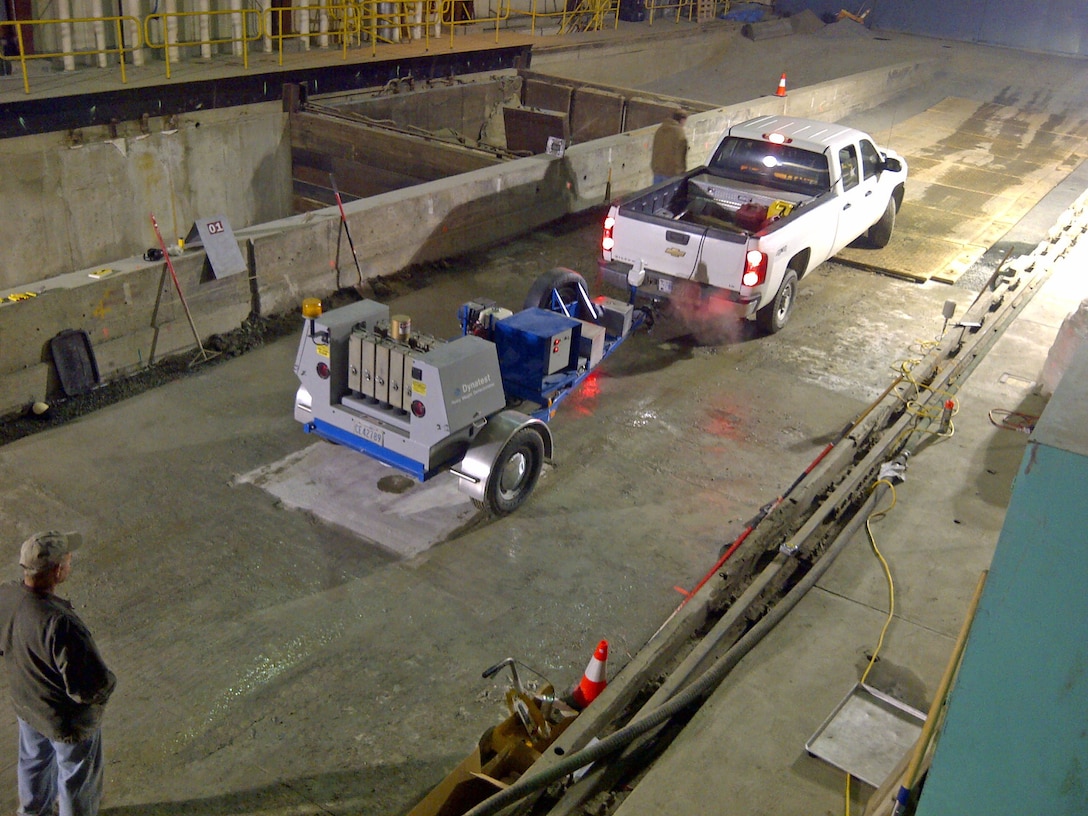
<point x="59" y="683"/>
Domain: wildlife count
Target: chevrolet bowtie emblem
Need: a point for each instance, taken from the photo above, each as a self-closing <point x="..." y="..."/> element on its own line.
<point x="676" y="253"/>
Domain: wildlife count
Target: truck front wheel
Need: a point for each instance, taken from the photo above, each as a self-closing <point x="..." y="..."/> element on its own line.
<point x="772" y="317"/>
<point x="880" y="233"/>
<point x="516" y="471"/>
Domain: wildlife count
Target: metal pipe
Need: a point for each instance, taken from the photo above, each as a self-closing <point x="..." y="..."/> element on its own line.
<point x="530" y="783"/>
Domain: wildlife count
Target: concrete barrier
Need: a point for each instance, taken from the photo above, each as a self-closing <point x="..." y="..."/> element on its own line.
<point x="292" y="258"/>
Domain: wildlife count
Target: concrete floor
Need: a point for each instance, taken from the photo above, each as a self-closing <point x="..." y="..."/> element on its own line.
<point x="269" y="662"/>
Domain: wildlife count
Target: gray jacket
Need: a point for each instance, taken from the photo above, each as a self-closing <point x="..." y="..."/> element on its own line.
<point x="59" y="683"/>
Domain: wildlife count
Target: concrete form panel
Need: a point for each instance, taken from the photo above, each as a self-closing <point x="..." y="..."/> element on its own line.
<point x="367" y="161"/>
<point x="546" y="95"/>
<point x="432" y="106"/>
<point x="595" y="114"/>
<point x="528" y="131"/>
<point x="646" y="113"/>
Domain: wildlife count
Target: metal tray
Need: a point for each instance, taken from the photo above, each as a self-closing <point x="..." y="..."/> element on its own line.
<point x="867" y="734"/>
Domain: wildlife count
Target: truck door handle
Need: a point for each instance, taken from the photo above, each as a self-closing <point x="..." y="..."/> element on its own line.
<point x="846" y="206"/>
<point x="868" y="193"/>
<point x="674" y="237"/>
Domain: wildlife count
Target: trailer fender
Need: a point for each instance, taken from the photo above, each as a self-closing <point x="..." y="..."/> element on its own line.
<point x="502" y="465"/>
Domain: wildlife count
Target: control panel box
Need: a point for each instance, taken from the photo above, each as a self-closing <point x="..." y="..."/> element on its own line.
<point x="533" y="345"/>
<point x="591" y="346"/>
<point x="616" y="317"/>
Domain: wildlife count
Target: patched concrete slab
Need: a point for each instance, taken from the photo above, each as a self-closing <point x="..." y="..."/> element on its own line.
<point x="360" y="494"/>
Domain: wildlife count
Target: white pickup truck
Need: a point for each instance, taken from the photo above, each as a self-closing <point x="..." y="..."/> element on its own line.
<point x="778" y="197"/>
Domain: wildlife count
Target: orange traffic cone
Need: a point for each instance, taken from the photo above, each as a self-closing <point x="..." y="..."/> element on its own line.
<point x="781" y="86"/>
<point x="593" y="680"/>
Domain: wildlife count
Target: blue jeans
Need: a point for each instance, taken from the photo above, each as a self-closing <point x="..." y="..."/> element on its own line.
<point x="68" y="773"/>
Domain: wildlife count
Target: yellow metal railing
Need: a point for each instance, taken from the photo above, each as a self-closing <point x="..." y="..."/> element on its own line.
<point x="172" y="36"/>
<point x="496" y="15"/>
<point x="558" y="13"/>
<point x="654" y="6"/>
<point x="65" y="28"/>
<point x="330" y="22"/>
<point x="346" y="23"/>
<point x="590" y="15"/>
<point x="398" y="21"/>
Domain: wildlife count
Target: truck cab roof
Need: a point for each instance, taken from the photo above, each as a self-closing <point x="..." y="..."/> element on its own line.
<point x="807" y="134"/>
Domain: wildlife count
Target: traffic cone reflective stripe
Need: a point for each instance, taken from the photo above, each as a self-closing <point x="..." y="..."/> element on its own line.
<point x="781" y="86"/>
<point x="593" y="679"/>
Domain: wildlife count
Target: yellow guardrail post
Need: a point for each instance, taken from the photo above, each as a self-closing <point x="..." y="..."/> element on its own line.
<point x="120" y="49"/>
<point x="22" y="55"/>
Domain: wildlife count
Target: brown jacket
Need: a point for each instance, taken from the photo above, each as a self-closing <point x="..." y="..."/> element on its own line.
<point x="670" y="153"/>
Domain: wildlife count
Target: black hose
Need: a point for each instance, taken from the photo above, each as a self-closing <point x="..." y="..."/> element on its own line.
<point x="704" y="685"/>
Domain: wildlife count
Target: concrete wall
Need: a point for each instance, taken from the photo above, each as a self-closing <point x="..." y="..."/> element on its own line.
<point x="83" y="199"/>
<point x="641" y="59"/>
<point x="1051" y="26"/>
<point x="293" y="258"/>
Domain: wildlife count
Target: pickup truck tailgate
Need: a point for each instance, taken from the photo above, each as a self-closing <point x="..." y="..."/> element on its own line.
<point x="667" y="247"/>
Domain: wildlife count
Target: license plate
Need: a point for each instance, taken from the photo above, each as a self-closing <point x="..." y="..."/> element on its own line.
<point x="370" y="433"/>
<point x="664" y="285"/>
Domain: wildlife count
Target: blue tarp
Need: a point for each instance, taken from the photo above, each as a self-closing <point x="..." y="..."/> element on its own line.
<point x="749" y="13"/>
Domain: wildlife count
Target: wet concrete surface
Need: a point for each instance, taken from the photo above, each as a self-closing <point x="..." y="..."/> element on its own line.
<point x="270" y="662"/>
<point x="263" y="654"/>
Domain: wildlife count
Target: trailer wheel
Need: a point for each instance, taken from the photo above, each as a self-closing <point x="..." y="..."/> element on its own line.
<point x="772" y="317"/>
<point x="880" y="233"/>
<point x="562" y="280"/>
<point x="516" y="471"/>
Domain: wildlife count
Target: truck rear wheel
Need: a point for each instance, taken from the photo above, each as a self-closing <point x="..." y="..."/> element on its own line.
<point x="563" y="281"/>
<point x="880" y="233"/>
<point x="515" y="473"/>
<point x="776" y="314"/>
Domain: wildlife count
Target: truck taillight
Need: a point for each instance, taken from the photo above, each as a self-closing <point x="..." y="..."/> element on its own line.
<point x="755" y="268"/>
<point x="607" y="242"/>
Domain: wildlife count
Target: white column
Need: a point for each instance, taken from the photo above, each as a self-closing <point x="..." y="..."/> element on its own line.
<point x="237" y="27"/>
<point x="205" y="28"/>
<point x="98" y="27"/>
<point x="323" y="23"/>
<point x="64" y="12"/>
<point x="133" y="35"/>
<point x="170" y="7"/>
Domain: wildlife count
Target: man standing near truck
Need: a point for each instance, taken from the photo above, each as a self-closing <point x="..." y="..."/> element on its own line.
<point x="58" y="681"/>
<point x="670" y="149"/>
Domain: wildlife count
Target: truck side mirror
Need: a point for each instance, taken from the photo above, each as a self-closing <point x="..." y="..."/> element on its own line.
<point x="891" y="164"/>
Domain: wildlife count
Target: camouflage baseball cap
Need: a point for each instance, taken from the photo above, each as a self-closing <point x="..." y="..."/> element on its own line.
<point x="44" y="551"/>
